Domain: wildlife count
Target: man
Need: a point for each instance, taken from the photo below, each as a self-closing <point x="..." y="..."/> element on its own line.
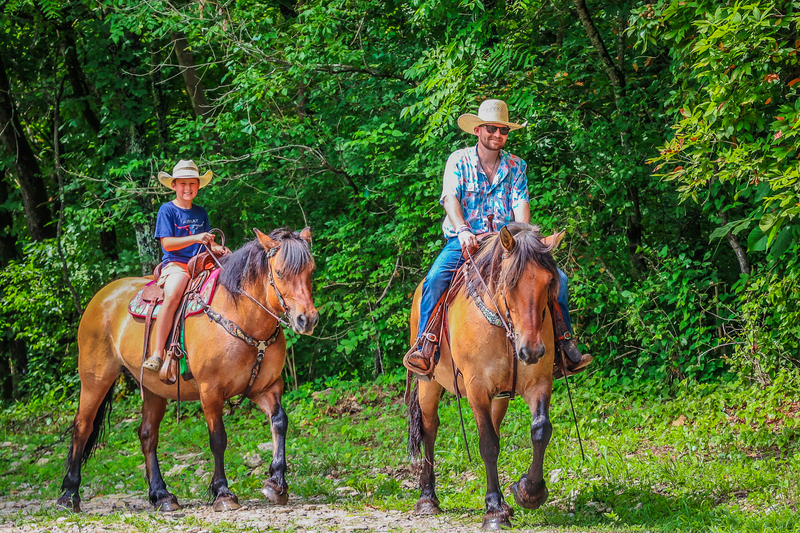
<point x="480" y="182"/>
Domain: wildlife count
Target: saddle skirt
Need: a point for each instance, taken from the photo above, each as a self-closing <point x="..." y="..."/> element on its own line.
<point x="138" y="305"/>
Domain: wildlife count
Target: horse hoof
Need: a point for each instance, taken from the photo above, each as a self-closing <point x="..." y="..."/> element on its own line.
<point x="278" y="498"/>
<point x="495" y="523"/>
<point x="227" y="503"/>
<point x="526" y="500"/>
<point x="66" y="503"/>
<point x="427" y="507"/>
<point x="168" y="504"/>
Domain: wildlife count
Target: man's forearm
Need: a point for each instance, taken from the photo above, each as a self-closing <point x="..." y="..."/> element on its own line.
<point x="453" y="209"/>
<point x="522" y="213"/>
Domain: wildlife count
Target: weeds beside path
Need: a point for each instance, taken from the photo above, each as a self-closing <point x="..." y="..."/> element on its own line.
<point x="707" y="458"/>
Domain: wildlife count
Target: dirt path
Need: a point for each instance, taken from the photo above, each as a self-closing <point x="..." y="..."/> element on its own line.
<point x="128" y="513"/>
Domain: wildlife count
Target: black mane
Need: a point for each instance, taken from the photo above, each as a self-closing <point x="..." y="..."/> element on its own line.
<point x="529" y="247"/>
<point x="250" y="263"/>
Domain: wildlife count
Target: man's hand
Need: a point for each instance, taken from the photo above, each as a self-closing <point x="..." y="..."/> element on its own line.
<point x="468" y="241"/>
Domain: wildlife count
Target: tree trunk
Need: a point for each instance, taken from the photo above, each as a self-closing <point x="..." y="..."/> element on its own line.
<point x="616" y="75"/>
<point x="13" y="353"/>
<point x="194" y="85"/>
<point x="145" y="224"/>
<point x="28" y="174"/>
<point x="77" y="79"/>
<point x="738" y="249"/>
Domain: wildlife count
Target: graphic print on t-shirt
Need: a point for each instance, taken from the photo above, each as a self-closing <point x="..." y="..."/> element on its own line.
<point x="173" y="221"/>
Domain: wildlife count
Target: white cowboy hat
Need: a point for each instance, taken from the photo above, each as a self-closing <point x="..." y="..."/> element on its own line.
<point x="184" y="169"/>
<point x="490" y="112"/>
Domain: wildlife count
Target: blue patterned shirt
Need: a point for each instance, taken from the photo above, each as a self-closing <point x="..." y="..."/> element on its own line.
<point x="465" y="179"/>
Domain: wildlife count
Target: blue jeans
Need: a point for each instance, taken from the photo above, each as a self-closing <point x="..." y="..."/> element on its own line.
<point x="441" y="274"/>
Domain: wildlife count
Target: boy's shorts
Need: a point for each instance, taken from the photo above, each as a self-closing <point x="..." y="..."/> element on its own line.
<point x="172" y="269"/>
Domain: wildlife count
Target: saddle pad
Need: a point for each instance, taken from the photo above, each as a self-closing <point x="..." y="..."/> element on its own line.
<point x="138" y="307"/>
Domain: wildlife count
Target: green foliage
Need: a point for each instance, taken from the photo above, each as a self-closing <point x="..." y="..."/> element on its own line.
<point x="340" y="115"/>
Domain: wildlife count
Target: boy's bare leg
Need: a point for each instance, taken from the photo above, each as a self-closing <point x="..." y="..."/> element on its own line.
<point x="174" y="286"/>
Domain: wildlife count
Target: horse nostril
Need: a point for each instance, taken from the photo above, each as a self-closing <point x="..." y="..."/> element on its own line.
<point x="302" y="321"/>
<point x="315" y="320"/>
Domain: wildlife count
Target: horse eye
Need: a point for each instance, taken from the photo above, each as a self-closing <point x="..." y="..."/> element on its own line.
<point x="279" y="273"/>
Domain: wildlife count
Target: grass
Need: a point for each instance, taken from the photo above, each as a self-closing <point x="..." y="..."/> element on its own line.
<point x="715" y="457"/>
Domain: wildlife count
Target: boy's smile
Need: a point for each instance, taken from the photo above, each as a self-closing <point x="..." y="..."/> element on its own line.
<point x="185" y="191"/>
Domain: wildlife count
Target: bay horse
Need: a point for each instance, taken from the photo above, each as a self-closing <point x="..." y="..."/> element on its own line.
<point x="521" y="279"/>
<point x="247" y="294"/>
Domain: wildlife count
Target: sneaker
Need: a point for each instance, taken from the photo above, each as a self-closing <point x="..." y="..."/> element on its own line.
<point x="153" y="363"/>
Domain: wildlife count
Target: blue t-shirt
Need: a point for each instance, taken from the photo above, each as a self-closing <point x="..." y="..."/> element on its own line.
<point x="173" y="221"/>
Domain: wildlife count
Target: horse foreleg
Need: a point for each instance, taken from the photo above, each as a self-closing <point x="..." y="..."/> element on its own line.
<point x="499" y="409"/>
<point x="224" y="499"/>
<point x="498" y="511"/>
<point x="153" y="410"/>
<point x="530" y="491"/>
<point x="93" y="406"/>
<point x="429" y="395"/>
<point x="275" y="488"/>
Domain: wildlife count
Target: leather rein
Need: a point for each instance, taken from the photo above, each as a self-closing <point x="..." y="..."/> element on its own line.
<point x="234" y="330"/>
<point x="495" y="318"/>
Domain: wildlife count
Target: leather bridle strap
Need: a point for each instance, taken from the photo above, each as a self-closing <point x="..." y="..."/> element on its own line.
<point x="235" y="331"/>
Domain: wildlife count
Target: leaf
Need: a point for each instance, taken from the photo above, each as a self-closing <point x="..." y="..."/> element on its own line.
<point x="767" y="221"/>
<point x="782" y="242"/>
<point x="768" y="100"/>
<point x="791" y="83"/>
<point x="732" y="227"/>
<point x="756" y="241"/>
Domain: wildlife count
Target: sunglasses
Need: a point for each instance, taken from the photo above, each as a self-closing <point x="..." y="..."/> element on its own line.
<point x="490" y="128"/>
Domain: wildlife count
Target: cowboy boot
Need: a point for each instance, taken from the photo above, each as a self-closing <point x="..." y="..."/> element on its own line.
<point x="574" y="361"/>
<point x="419" y="359"/>
<point x="153" y="363"/>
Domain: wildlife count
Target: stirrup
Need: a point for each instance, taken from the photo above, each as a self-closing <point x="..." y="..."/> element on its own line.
<point x="153" y="363"/>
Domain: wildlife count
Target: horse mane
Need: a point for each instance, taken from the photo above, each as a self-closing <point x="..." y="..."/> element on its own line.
<point x="529" y="248"/>
<point x="250" y="263"/>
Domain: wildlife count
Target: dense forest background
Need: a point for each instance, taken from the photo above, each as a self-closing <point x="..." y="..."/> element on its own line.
<point x="661" y="135"/>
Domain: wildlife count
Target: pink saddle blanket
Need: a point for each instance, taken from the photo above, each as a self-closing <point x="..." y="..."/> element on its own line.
<point x="138" y="307"/>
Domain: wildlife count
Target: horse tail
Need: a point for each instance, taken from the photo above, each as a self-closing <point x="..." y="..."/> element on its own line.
<point x="414" y="445"/>
<point x="101" y="422"/>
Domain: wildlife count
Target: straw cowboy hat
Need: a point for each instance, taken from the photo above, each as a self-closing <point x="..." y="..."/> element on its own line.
<point x="490" y="112"/>
<point x="184" y="169"/>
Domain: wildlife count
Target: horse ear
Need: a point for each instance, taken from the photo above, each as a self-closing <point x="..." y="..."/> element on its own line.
<point x="506" y="239"/>
<point x="306" y="234"/>
<point x="266" y="241"/>
<point x="552" y="241"/>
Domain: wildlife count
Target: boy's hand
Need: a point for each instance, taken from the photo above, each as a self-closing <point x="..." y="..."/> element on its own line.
<point x="205" y="238"/>
<point x="219" y="251"/>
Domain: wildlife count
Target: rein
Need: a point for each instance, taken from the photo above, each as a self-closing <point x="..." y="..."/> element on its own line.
<point x="496" y="319"/>
<point x="234" y="330"/>
<point x="282" y="321"/>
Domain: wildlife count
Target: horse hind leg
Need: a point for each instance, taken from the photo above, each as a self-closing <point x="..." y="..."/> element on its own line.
<point x="94" y="410"/>
<point x="423" y="426"/>
<point x="153" y="410"/>
<point x="530" y="491"/>
<point x="275" y="488"/>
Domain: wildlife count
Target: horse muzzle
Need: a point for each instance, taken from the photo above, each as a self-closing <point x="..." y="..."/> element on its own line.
<point x="304" y="323"/>
<point x="530" y="355"/>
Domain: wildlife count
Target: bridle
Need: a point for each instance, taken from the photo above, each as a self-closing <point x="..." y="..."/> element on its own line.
<point x="285" y="318"/>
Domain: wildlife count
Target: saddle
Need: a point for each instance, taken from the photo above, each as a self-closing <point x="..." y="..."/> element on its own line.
<point x="203" y="274"/>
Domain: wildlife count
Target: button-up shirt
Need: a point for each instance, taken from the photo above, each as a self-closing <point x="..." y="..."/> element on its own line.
<point x="466" y="180"/>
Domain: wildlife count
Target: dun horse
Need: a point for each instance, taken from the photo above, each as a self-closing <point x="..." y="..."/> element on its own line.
<point x="521" y="280"/>
<point x="110" y="339"/>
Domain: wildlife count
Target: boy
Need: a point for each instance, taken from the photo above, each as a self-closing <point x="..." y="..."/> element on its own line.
<point x="182" y="228"/>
